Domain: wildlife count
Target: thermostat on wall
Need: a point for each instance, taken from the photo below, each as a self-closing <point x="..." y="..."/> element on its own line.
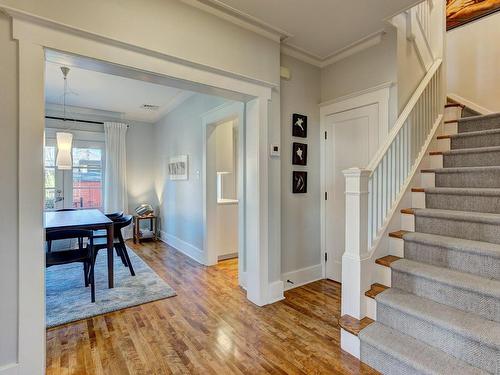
<point x="274" y="150"/>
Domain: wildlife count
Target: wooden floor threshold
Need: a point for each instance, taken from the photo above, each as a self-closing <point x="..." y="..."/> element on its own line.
<point x="375" y="290"/>
<point x="387" y="260"/>
<point x="353" y="325"/>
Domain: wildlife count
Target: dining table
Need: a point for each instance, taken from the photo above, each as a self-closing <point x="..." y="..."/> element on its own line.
<point x="89" y="219"/>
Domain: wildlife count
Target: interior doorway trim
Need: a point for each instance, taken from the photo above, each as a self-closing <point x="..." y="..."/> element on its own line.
<point x="219" y="115"/>
<point x="379" y="95"/>
<point x="35" y="37"/>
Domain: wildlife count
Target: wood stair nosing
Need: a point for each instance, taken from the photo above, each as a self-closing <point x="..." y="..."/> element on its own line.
<point x="398" y="234"/>
<point x="387" y="260"/>
<point x="375" y="289"/>
<point x="418" y="190"/>
<point x="353" y="325"/>
<point x="408" y="211"/>
<point x="446" y="136"/>
<point x="450" y="105"/>
<point x="436" y="153"/>
<point x="450" y="121"/>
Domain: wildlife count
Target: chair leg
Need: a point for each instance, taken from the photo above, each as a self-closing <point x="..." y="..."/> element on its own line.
<point x="92" y="283"/>
<point x="86" y="273"/>
<point x="125" y="254"/>
<point x="120" y="254"/>
<point x="49" y="246"/>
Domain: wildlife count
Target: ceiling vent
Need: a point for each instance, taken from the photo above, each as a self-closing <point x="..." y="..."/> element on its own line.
<point x="150" y="107"/>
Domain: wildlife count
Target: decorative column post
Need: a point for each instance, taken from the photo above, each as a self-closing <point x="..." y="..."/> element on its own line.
<point x="355" y="275"/>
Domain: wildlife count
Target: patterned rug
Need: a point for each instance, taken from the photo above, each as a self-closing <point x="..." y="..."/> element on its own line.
<point x="68" y="300"/>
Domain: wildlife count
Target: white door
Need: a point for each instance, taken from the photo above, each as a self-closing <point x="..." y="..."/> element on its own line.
<point x="352" y="138"/>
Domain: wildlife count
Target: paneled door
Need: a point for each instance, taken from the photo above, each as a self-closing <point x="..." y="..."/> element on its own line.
<point x="352" y="138"/>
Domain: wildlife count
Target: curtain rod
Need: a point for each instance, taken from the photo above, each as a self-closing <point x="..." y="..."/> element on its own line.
<point x="76" y="120"/>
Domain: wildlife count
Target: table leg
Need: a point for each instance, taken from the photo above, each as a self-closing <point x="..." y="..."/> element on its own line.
<point x="109" y="231"/>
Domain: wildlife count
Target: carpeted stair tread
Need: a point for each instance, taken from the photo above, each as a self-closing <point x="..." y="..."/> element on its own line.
<point x="458" y="244"/>
<point x="416" y="355"/>
<point x="475" y="133"/>
<point x="468" y="216"/>
<point x="455" y="279"/>
<point x="478" y="122"/>
<point x="462" y="169"/>
<point x="489" y="192"/>
<point x="452" y="319"/>
<point x="472" y="150"/>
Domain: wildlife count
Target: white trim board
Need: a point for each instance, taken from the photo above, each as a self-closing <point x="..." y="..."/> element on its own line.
<point x="302" y="276"/>
<point x="276" y="290"/>
<point x="469" y="104"/>
<point x="182" y="246"/>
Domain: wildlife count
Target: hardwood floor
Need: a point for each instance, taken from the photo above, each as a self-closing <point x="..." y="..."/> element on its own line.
<point x="208" y="328"/>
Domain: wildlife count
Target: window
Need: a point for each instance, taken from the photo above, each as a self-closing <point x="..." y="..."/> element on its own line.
<point x="81" y="187"/>
<point x="87" y="178"/>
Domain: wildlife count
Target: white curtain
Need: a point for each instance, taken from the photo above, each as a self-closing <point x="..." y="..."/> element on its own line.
<point x="115" y="178"/>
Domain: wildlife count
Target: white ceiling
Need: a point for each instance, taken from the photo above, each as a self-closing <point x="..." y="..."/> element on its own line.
<point x="111" y="93"/>
<point x="321" y="28"/>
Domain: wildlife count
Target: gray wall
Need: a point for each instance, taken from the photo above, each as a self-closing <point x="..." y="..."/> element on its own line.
<point x="8" y="194"/>
<point x="180" y="133"/>
<point x="300" y="213"/>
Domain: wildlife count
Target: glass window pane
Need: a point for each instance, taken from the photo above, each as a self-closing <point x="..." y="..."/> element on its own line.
<point x="50" y="178"/>
<point x="50" y="195"/>
<point x="83" y="157"/>
<point x="50" y="156"/>
<point x="87" y="198"/>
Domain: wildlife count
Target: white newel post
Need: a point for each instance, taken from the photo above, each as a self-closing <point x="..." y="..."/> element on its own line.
<point x="355" y="267"/>
<point x="354" y="276"/>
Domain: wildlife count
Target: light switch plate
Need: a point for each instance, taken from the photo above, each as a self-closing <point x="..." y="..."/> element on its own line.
<point x="274" y="150"/>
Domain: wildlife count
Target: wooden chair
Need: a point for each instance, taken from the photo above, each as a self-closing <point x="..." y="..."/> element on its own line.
<point x="83" y="254"/>
<point x="119" y="242"/>
<point x="49" y="243"/>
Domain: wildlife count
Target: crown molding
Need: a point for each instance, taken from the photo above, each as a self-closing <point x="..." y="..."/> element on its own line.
<point x="224" y="11"/>
<point x="322" y="62"/>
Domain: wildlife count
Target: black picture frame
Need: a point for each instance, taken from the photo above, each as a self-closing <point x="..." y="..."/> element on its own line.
<point x="299" y="125"/>
<point x="299" y="182"/>
<point x="299" y="153"/>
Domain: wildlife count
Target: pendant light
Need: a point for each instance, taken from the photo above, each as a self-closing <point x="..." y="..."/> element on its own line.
<point x="64" y="139"/>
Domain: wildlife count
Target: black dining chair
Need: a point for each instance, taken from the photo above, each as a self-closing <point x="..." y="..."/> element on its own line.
<point x="113" y="216"/>
<point x="118" y="241"/>
<point x="82" y="254"/>
<point x="49" y="243"/>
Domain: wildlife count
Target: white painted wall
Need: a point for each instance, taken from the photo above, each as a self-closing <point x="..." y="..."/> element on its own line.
<point x="8" y="195"/>
<point x="180" y="133"/>
<point x="300" y="219"/>
<point x="140" y="155"/>
<point x="473" y="55"/>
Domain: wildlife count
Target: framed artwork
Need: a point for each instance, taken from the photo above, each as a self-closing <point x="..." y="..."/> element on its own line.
<point x="299" y="182"/>
<point x="461" y="12"/>
<point x="299" y="125"/>
<point x="178" y="167"/>
<point x="299" y="153"/>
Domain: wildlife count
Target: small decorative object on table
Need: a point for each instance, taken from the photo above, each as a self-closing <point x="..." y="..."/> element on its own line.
<point x="145" y="212"/>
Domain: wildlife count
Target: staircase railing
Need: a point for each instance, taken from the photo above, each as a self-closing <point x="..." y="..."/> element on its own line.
<point x="393" y="164"/>
<point x="372" y="194"/>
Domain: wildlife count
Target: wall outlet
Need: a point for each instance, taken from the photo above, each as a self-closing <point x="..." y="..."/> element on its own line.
<point x="274" y="150"/>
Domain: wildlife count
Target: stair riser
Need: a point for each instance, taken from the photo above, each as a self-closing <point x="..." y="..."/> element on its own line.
<point x="480" y="159"/>
<point x="476" y="179"/>
<point x="450" y="128"/>
<point x="460" y="229"/>
<point x="464" y="348"/>
<point x="474" y="203"/>
<point x="480" y="265"/>
<point x="452" y="113"/>
<point x="382" y="362"/>
<point x="477" y="125"/>
<point x="483" y="305"/>
<point x="483" y="140"/>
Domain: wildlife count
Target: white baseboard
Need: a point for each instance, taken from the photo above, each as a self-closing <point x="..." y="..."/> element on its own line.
<point x="276" y="291"/>
<point x="184" y="247"/>
<point x="302" y="276"/>
<point x="12" y="369"/>
<point x="469" y="104"/>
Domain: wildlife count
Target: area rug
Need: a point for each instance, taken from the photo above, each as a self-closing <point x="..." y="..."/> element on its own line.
<point x="68" y="300"/>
